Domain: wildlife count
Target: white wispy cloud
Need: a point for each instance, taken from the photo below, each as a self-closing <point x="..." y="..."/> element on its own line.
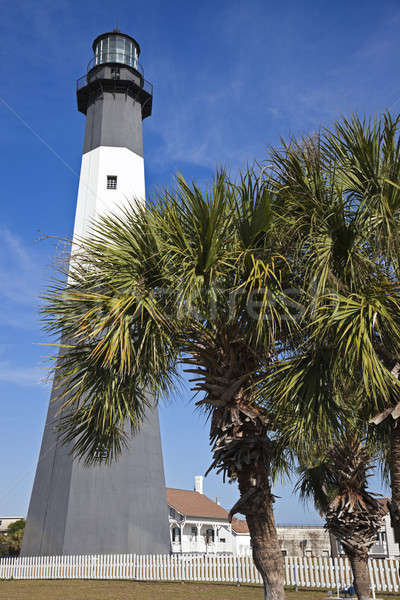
<point x="267" y="91"/>
<point x="23" y="375"/>
<point x="21" y="273"/>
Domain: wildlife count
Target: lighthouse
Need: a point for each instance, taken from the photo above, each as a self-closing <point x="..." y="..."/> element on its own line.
<point x="120" y="508"/>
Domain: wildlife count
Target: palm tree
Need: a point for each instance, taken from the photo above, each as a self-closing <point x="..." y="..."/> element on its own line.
<point x="10" y="543"/>
<point x="195" y="278"/>
<point x="15" y="533"/>
<point x="337" y="483"/>
<point x="340" y="205"/>
<point x="369" y="158"/>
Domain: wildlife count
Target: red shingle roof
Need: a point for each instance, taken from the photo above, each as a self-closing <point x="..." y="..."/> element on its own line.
<point x="193" y="504"/>
<point x="240" y="526"/>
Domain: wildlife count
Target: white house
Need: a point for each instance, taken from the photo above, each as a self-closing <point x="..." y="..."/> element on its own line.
<point x="198" y="524"/>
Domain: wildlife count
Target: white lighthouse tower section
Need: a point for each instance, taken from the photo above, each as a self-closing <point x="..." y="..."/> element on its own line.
<point x="111" y="178"/>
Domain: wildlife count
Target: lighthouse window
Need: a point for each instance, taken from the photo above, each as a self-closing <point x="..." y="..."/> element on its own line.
<point x="101" y="454"/>
<point x="115" y="73"/>
<point x="111" y="182"/>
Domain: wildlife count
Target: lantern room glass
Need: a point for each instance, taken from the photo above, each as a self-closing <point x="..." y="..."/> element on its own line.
<point x="116" y="49"/>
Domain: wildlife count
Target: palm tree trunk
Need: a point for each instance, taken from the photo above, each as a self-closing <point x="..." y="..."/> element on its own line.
<point x="394" y="464"/>
<point x="266" y="549"/>
<point x="359" y="566"/>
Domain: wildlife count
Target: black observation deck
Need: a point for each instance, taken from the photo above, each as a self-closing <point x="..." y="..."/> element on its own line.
<point x="116" y="73"/>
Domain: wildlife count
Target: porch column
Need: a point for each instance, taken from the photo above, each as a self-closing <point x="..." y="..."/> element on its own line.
<point x="198" y="537"/>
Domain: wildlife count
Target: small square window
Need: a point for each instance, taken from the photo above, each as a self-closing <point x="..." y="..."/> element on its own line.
<point x="111" y="182"/>
<point x="115" y="73"/>
<point x="101" y="454"/>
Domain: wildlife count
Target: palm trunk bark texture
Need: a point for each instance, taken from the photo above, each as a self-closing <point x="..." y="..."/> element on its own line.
<point x="223" y="365"/>
<point x="359" y="565"/>
<point x="266" y="549"/>
<point x="394" y="464"/>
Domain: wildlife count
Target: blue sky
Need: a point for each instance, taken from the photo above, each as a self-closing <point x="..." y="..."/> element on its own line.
<point x="230" y="78"/>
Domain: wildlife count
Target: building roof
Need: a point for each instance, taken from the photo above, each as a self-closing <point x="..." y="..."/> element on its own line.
<point x="194" y="504"/>
<point x="240" y="526"/>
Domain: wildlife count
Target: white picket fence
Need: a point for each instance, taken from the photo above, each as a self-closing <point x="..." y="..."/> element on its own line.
<point x="322" y="572"/>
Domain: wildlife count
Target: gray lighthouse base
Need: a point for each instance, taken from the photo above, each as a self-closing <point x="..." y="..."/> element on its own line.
<point x="113" y="509"/>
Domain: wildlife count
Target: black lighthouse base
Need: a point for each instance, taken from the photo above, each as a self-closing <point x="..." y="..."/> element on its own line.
<point x="117" y="509"/>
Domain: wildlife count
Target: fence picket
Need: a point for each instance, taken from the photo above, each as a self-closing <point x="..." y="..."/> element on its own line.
<point x="393" y="573"/>
<point x="387" y="576"/>
<point x="376" y="575"/>
<point x="167" y="567"/>
<point x="303" y="570"/>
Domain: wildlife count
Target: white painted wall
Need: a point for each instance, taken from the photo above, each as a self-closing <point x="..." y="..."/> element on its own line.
<point x="393" y="549"/>
<point x="241" y="543"/>
<point x="94" y="199"/>
<point x="305" y="540"/>
<point x="197" y="542"/>
<point x="233" y="544"/>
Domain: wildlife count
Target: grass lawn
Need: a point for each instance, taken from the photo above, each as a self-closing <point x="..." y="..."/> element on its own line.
<point x="131" y="590"/>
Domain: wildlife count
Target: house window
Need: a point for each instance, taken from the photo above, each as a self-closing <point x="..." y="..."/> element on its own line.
<point x="194" y="534"/>
<point x="284" y="552"/>
<point x="176" y="534"/>
<point x="380" y="538"/>
<point x="222" y="540"/>
<point x="210" y="536"/>
<point x="380" y="544"/>
<point x="111" y="182"/>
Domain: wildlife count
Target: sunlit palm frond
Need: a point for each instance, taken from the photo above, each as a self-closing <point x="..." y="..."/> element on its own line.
<point x="360" y="326"/>
<point x="302" y="397"/>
